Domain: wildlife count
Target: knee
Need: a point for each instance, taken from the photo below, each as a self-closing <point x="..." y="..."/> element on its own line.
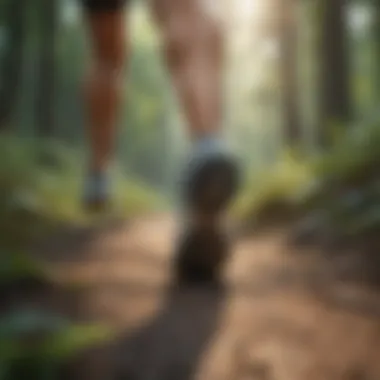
<point x="177" y="50"/>
<point x="214" y="39"/>
<point x="182" y="45"/>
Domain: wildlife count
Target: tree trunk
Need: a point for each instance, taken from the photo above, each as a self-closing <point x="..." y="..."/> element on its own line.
<point x="11" y="66"/>
<point x="376" y="38"/>
<point x="288" y="67"/>
<point x="46" y="69"/>
<point x="334" y="95"/>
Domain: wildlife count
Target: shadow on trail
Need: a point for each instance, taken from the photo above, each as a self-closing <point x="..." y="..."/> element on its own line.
<point x="72" y="244"/>
<point x="168" y="347"/>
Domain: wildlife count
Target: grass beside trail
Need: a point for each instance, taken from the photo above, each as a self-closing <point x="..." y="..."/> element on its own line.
<point x="340" y="187"/>
<point x="40" y="183"/>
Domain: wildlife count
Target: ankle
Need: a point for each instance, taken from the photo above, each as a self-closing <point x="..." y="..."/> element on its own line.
<point x="207" y="142"/>
<point x="207" y="136"/>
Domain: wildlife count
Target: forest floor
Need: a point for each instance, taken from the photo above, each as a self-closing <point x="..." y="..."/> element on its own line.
<point x="280" y="315"/>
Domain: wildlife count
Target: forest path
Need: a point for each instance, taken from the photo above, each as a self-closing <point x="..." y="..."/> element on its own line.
<point x="279" y="316"/>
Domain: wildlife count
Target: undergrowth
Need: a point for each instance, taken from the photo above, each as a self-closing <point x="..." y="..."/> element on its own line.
<point x="343" y="183"/>
<point x="40" y="183"/>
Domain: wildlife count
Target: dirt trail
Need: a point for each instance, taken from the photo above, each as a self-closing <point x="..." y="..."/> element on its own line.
<point x="279" y="316"/>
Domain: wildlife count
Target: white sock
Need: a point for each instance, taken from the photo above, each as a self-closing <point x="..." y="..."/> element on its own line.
<point x="207" y="143"/>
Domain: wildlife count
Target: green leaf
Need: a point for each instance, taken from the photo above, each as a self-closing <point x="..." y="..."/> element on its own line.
<point x="73" y="339"/>
<point x="16" y="266"/>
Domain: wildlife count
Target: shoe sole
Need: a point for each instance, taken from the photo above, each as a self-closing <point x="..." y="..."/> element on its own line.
<point x="200" y="257"/>
<point x="212" y="186"/>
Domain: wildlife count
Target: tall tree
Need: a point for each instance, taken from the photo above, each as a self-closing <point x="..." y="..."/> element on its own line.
<point x="334" y="94"/>
<point x="12" y="58"/>
<point x="46" y="68"/>
<point x="288" y="66"/>
<point x="375" y="5"/>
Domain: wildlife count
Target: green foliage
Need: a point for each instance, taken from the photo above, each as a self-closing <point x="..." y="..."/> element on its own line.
<point x="16" y="266"/>
<point x="352" y="153"/>
<point x="288" y="181"/>
<point x="40" y="184"/>
<point x="343" y="182"/>
<point x="39" y="343"/>
<point x="134" y="198"/>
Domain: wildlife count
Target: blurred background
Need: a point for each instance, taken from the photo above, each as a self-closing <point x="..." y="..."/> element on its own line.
<point x="302" y="92"/>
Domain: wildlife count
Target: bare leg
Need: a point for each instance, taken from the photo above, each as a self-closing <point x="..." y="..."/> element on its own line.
<point x="103" y="88"/>
<point x="193" y="48"/>
<point x="103" y="83"/>
<point x="194" y="52"/>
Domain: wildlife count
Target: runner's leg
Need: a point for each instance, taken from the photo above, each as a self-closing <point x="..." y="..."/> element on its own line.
<point x="193" y="49"/>
<point x="193" y="44"/>
<point x="106" y="23"/>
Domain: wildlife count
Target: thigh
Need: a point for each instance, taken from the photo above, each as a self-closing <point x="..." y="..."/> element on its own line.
<point x="190" y="19"/>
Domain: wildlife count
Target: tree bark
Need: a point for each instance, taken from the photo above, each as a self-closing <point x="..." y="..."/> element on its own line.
<point x="334" y="95"/>
<point x="45" y="99"/>
<point x="12" y="63"/>
<point x="376" y="37"/>
<point x="288" y="67"/>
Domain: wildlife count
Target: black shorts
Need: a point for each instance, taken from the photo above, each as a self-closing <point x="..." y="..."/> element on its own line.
<point x="103" y="5"/>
